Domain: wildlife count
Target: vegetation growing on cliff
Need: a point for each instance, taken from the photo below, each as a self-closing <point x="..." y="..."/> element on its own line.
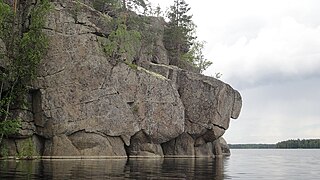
<point x="131" y="31"/>
<point x="110" y="7"/>
<point x="107" y="6"/>
<point x="24" y="50"/>
<point x="195" y="56"/>
<point x="122" y="43"/>
<point x="180" y="39"/>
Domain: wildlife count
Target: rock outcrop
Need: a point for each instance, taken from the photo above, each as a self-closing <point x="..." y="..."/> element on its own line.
<point x="85" y="105"/>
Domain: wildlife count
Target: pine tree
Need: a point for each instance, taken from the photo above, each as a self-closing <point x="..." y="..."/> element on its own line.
<point x="179" y="33"/>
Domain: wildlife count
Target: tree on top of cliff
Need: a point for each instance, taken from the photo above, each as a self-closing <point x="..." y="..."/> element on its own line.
<point x="178" y="34"/>
<point x="196" y="58"/>
<point x="180" y="39"/>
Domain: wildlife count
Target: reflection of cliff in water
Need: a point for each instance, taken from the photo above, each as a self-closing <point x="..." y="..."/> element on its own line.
<point x="134" y="168"/>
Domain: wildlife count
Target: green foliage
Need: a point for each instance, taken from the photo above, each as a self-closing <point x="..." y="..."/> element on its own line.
<point x="39" y="14"/>
<point x="122" y="43"/>
<point x="31" y="47"/>
<point x="4" y="10"/>
<point x="180" y="39"/>
<point x="305" y="143"/>
<point x="132" y="66"/>
<point x="149" y="34"/>
<point x="179" y="35"/>
<point x="131" y="35"/>
<point x="27" y="150"/>
<point x="10" y="127"/>
<point x="106" y="6"/>
<point x="135" y="22"/>
<point x="5" y="13"/>
<point x="4" y="150"/>
<point x="178" y="15"/>
<point x="24" y="52"/>
<point x="6" y="18"/>
<point x="196" y="57"/>
<point x="34" y="43"/>
<point x="113" y="6"/>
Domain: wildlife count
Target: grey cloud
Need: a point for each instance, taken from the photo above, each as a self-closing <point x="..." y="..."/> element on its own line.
<point x="278" y="111"/>
<point x="248" y="27"/>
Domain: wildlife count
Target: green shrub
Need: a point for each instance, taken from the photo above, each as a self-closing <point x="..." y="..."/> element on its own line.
<point x="4" y="150"/>
<point x="27" y="150"/>
<point x="122" y="43"/>
<point x="24" y="53"/>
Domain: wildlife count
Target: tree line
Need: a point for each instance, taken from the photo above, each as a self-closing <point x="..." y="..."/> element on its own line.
<point x="252" y="146"/>
<point x="288" y="144"/>
<point x="304" y="143"/>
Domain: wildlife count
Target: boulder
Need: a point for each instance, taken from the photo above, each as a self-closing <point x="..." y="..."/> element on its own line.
<point x="183" y="145"/>
<point x="209" y="104"/>
<point x="204" y="150"/>
<point x="224" y="146"/>
<point x="93" y="144"/>
<point x="142" y="145"/>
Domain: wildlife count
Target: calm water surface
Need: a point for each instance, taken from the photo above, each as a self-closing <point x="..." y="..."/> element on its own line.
<point x="243" y="164"/>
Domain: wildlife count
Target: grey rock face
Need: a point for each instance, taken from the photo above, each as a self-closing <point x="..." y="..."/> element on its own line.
<point x="204" y="150"/>
<point x="79" y="90"/>
<point x="208" y="102"/>
<point x="183" y="145"/>
<point x="142" y="145"/>
<point x="155" y="28"/>
<point x="84" y="144"/>
<point x="85" y="105"/>
<point x="224" y="146"/>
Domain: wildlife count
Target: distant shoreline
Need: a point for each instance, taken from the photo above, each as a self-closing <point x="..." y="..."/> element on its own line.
<point x="252" y="146"/>
<point x="288" y="144"/>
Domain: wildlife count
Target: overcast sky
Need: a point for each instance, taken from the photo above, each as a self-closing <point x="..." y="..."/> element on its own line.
<point x="269" y="50"/>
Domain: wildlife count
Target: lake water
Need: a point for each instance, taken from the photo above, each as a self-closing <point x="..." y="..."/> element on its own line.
<point x="242" y="164"/>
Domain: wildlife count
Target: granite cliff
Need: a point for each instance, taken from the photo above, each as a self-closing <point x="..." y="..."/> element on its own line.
<point x="82" y="103"/>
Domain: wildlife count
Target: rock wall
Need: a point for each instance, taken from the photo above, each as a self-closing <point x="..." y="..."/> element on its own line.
<point x="84" y="105"/>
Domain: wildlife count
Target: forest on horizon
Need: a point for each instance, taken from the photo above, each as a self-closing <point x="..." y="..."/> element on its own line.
<point x="288" y="144"/>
